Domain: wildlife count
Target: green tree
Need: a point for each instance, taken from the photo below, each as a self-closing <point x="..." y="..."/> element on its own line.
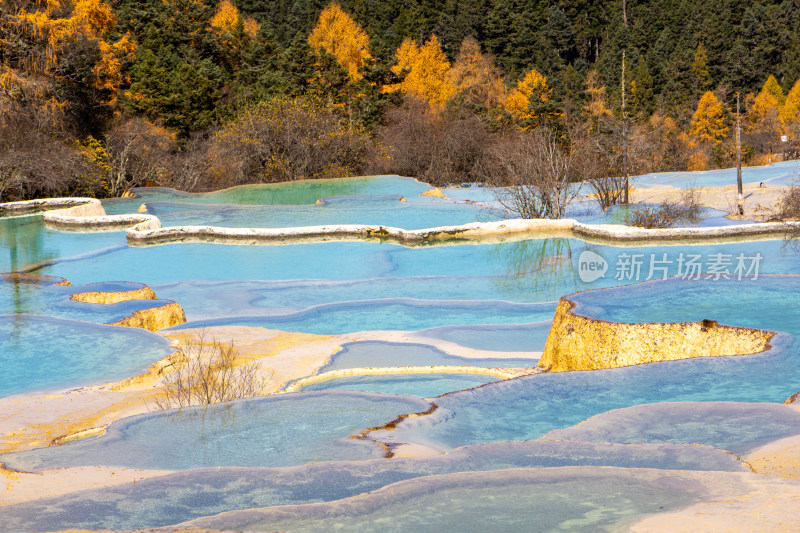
<point x="642" y="99"/>
<point x="702" y="79"/>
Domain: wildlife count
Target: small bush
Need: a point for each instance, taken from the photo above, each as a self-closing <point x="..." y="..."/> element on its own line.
<point x="668" y="214"/>
<point x="789" y="205"/>
<point x="789" y="211"/>
<point x="204" y="373"/>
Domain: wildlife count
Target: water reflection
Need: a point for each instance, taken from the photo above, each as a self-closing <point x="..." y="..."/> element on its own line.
<point x="544" y="267"/>
<point x="23" y="238"/>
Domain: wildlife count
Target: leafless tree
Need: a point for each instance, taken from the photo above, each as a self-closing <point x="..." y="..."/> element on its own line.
<point x="140" y="153"/>
<point x="286" y="139"/>
<point x="206" y="371"/>
<point x="667" y="214"/>
<point x="438" y="147"/>
<point x="604" y="150"/>
<point x="35" y="161"/>
<point x="536" y="173"/>
<point x="789" y="211"/>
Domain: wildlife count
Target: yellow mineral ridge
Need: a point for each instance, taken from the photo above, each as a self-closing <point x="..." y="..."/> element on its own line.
<point x="577" y="342"/>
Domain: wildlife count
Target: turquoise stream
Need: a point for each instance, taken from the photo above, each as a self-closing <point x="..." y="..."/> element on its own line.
<point x="491" y="297"/>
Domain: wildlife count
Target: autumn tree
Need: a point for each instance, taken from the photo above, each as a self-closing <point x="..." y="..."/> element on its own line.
<point x="766" y="105"/>
<point x="530" y="102"/>
<point x="708" y="128"/>
<point x="425" y="72"/>
<point x="709" y="123"/>
<point x="226" y="20"/>
<point x="59" y="57"/>
<point x="475" y="76"/>
<point x="763" y="116"/>
<point x="790" y="112"/>
<point x="339" y="35"/>
<point x="596" y="105"/>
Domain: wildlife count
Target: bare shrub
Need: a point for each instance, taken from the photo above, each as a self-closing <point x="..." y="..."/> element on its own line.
<point x="789" y="211"/>
<point x="437" y="147"/>
<point x="286" y="139"/>
<point x="617" y="152"/>
<point x="139" y="154"/>
<point x="667" y="214"/>
<point x="34" y="161"/>
<point x="206" y="372"/>
<point x="789" y="205"/>
<point x="536" y="173"/>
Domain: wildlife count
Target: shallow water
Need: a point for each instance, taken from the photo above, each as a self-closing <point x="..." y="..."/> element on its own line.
<point x="381" y="210"/>
<point x="426" y="385"/>
<point x="302" y="192"/>
<point x="280" y="430"/>
<point x="377" y="354"/>
<point x="528" y="407"/>
<point x="783" y="173"/>
<point x="42" y="353"/>
<point x="27" y="297"/>
<point x="191" y="494"/>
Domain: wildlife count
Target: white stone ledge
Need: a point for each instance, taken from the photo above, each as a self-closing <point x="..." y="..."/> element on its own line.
<point x="77" y="213"/>
<point x="499" y="373"/>
<point x="628" y="233"/>
<point x="145" y="230"/>
<point x="34" y="206"/>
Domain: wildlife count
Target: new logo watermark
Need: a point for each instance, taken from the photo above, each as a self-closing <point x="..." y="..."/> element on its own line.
<point x="591" y="266"/>
<point x="643" y="267"/>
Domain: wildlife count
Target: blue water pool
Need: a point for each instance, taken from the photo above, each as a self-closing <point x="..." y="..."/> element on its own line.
<point x="280" y="430"/>
<point x="378" y="354"/>
<point x="45" y="353"/>
<point x="783" y="173"/>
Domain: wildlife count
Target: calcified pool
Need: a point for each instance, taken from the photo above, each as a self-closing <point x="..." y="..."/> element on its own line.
<point x="461" y="303"/>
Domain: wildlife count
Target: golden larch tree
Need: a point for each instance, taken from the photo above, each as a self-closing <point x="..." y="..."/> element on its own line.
<point x="763" y="114"/>
<point x="227" y="17"/>
<point x="596" y="106"/>
<point x="524" y="101"/>
<point x="339" y="35"/>
<point x="709" y="122"/>
<point x="790" y="111"/>
<point x="475" y="76"/>
<point x="61" y="23"/>
<point x="426" y="72"/>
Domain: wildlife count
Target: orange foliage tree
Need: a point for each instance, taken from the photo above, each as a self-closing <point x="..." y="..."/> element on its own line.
<point x="475" y="76"/>
<point x="596" y="106"/>
<point x="790" y="112"/>
<point x="227" y="18"/>
<point x="709" y="122"/>
<point x="764" y="113"/>
<point x="708" y="128"/>
<point x="530" y="101"/>
<point x="51" y="27"/>
<point x="426" y="72"/>
<point x="339" y="35"/>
